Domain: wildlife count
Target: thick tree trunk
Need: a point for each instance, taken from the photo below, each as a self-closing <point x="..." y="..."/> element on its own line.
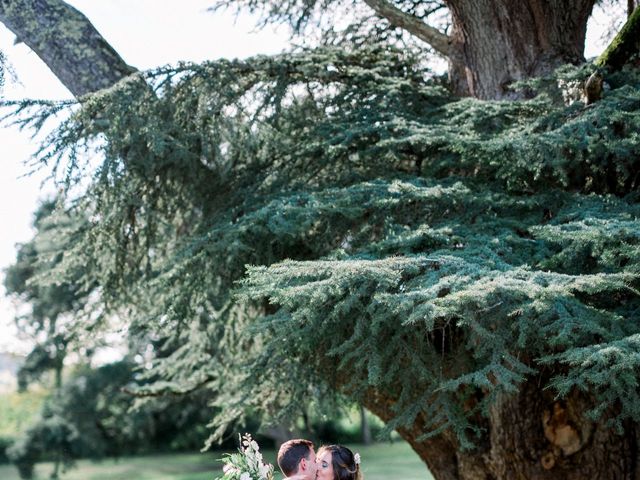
<point x="497" y="42"/>
<point x="66" y="42"/>
<point x="529" y="436"/>
<point x="279" y="434"/>
<point x="365" y="428"/>
<point x="439" y="453"/>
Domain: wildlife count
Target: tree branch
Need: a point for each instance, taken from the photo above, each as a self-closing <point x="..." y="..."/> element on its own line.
<point x="624" y="46"/>
<point x="67" y="43"/>
<point x="434" y="37"/>
<point x="165" y="389"/>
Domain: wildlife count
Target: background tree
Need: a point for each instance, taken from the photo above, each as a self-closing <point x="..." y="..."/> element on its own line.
<point x="52" y="305"/>
<point x="48" y="301"/>
<point x="467" y="270"/>
<point x="93" y="417"/>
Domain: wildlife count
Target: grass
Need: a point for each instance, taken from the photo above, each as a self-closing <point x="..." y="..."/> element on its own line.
<point x="379" y="462"/>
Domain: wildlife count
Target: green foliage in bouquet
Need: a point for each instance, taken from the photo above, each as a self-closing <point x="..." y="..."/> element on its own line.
<point x="247" y="464"/>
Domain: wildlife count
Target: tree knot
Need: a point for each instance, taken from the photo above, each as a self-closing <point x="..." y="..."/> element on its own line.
<point x="562" y="431"/>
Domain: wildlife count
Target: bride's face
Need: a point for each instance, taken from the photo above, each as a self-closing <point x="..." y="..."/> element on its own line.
<point x="325" y="467"/>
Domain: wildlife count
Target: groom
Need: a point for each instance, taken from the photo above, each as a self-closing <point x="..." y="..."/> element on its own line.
<point x="296" y="458"/>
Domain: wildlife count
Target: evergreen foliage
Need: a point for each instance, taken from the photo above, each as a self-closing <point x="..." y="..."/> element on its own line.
<point x="402" y="241"/>
<point x="336" y="22"/>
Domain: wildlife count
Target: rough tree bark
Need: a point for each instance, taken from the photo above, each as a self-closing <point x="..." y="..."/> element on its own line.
<point x="497" y="42"/>
<point x="529" y="436"/>
<point x="66" y="42"/>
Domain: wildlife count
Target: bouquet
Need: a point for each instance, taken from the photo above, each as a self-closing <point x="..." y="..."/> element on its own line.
<point x="247" y="464"/>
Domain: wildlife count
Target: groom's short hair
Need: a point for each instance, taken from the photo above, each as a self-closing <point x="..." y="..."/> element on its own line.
<point x="291" y="453"/>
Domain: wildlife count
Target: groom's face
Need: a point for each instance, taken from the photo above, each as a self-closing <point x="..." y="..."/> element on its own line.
<point x="310" y="465"/>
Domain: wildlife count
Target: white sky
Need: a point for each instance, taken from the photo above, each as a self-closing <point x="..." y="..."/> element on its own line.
<point x="146" y="33"/>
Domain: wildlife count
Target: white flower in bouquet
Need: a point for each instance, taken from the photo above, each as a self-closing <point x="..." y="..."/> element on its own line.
<point x="229" y="469"/>
<point x="247" y="464"/>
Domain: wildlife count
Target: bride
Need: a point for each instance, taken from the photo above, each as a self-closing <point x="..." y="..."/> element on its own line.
<point x="336" y="462"/>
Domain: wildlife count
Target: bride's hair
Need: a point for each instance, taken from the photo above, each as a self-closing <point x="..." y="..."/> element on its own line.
<point x="346" y="465"/>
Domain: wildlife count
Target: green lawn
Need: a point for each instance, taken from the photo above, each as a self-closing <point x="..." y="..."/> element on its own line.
<point x="379" y="462"/>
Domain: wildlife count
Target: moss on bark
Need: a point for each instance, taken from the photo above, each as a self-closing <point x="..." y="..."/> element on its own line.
<point x="624" y="46"/>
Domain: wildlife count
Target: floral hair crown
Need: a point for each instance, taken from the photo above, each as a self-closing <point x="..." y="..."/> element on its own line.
<point x="356" y="459"/>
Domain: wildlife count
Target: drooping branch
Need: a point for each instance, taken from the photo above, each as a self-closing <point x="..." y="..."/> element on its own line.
<point x="415" y="26"/>
<point x="67" y="43"/>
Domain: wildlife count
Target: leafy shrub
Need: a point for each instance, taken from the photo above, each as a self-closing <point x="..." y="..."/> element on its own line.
<point x="5" y="442"/>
